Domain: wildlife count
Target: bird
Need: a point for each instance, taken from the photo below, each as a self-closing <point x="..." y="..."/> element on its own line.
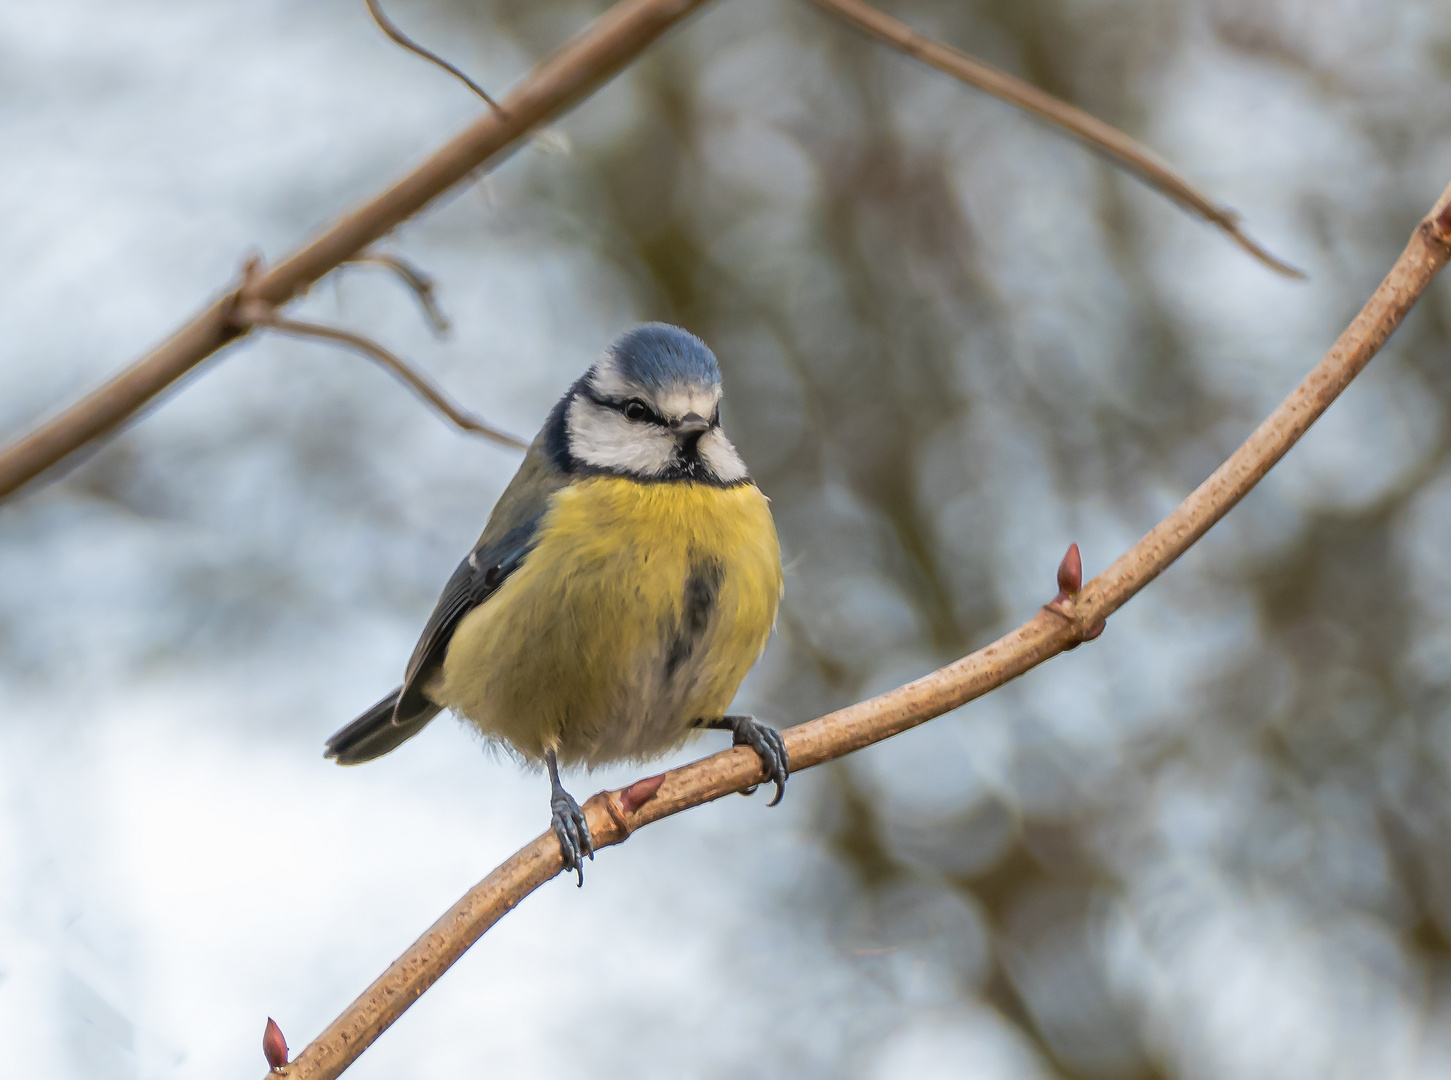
<point x="626" y="581"/>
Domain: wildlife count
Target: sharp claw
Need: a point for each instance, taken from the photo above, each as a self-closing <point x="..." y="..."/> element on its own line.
<point x="571" y="827"/>
<point x="769" y="746"/>
<point x="572" y="831"/>
<point x="586" y="845"/>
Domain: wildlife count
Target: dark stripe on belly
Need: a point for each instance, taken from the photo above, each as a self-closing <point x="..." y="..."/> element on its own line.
<point x="701" y="590"/>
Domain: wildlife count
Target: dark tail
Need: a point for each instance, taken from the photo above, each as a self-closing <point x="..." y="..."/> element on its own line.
<point x="376" y="732"/>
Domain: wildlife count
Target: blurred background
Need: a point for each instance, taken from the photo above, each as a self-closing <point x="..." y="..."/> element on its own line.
<point x="1212" y="844"/>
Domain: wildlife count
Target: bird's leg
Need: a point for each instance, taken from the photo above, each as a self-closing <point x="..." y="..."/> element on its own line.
<point x="568" y="821"/>
<point x="765" y="740"/>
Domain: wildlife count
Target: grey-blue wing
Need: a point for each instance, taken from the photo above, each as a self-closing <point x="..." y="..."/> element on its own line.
<point x="476" y="579"/>
<point x="403" y="713"/>
<point x="507" y="541"/>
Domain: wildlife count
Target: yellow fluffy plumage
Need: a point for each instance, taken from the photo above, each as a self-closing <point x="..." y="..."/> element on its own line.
<point x="638" y="612"/>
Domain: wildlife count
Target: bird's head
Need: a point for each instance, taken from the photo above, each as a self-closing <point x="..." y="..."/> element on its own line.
<point x="650" y="408"/>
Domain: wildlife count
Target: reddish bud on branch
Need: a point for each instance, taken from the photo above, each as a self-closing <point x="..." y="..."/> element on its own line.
<point x="1070" y="584"/>
<point x="1440" y="227"/>
<point x="274" y="1046"/>
<point x="640" y="792"/>
<point x="1070" y="572"/>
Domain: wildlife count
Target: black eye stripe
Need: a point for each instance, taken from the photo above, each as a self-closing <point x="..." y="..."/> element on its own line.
<point x="650" y="416"/>
<point x="634" y="409"/>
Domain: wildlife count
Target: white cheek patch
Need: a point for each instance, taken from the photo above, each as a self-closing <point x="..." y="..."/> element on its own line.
<point x="603" y="438"/>
<point x="720" y="457"/>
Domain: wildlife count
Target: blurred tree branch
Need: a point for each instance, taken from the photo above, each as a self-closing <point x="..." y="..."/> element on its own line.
<point x="250" y="311"/>
<point x="576" y="70"/>
<point x="418" y="283"/>
<point x="605" y="48"/>
<point x="1120" y="149"/>
<point x="1075" y="615"/>
<point x="398" y="37"/>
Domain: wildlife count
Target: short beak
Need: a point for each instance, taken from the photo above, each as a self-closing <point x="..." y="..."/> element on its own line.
<point x="690" y="428"/>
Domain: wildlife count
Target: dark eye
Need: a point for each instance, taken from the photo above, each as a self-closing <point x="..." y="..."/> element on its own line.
<point x="636" y="410"/>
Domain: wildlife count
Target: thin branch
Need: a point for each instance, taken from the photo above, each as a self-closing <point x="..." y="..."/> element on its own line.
<point x="1072" y="617"/>
<point x="419" y="283"/>
<point x="608" y="45"/>
<point x="574" y="72"/>
<point x="255" y="315"/>
<point x="386" y="25"/>
<point x="1109" y="141"/>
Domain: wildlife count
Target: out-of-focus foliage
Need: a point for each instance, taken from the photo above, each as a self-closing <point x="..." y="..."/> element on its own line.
<point x="1210" y="844"/>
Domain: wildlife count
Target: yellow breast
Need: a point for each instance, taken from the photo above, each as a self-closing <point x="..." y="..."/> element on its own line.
<point x="639" y="611"/>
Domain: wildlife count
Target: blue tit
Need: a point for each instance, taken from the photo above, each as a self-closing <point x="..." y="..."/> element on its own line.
<point x="627" y="580"/>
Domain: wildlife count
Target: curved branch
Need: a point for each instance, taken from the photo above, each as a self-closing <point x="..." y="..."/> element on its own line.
<point x="400" y="38"/>
<point x="1072" y="617"/>
<point x="418" y="283"/>
<point x="420" y="383"/>
<point x="573" y="72"/>
<point x="1113" y="144"/>
<point x="578" y="69"/>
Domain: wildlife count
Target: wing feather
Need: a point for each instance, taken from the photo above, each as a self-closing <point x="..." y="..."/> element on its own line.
<point x="506" y="542"/>
<point x="477" y="578"/>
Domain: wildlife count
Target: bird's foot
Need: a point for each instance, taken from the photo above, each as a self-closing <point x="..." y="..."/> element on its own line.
<point x="766" y="741"/>
<point x="569" y="824"/>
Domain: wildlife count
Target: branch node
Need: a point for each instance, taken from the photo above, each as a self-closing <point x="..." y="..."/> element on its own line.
<point x="1070" y="583"/>
<point x="1063" y="607"/>
<point x="1438" y="229"/>
<point x="247" y="310"/>
<point x="244" y="306"/>
<point x="619" y="817"/>
<point x="623" y="804"/>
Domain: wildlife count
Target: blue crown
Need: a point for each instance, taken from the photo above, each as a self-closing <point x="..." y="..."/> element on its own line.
<point x="658" y="355"/>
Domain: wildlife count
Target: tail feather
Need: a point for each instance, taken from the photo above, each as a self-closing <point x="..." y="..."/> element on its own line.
<point x="376" y="732"/>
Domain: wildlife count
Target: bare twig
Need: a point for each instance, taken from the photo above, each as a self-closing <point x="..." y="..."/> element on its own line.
<point x="251" y="310"/>
<point x="386" y="25"/>
<point x="575" y="71"/>
<point x="558" y="82"/>
<point x="420" y="383"/>
<point x="419" y="283"/>
<point x="1073" y="616"/>
<point x="1094" y="133"/>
